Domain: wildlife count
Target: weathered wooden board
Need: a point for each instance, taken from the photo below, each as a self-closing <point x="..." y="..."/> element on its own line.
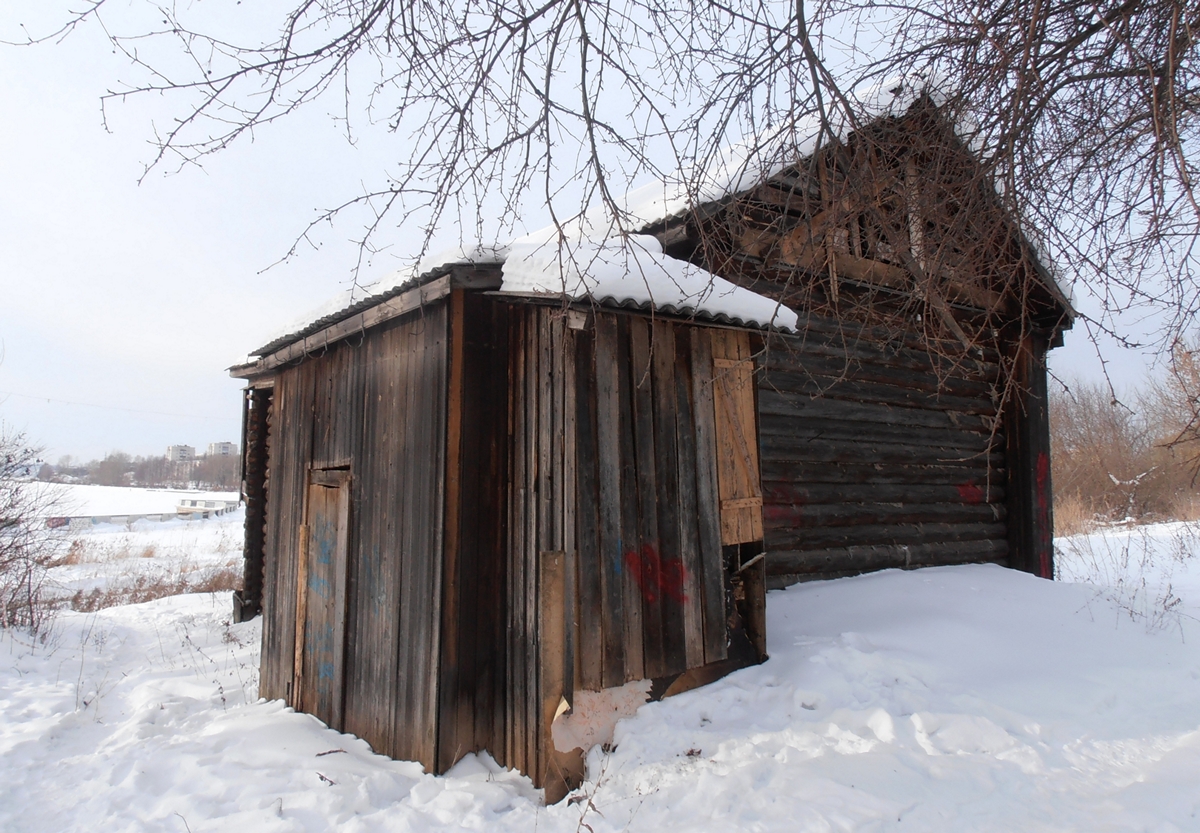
<point x="373" y="609"/>
<point x="321" y="666"/>
<point x="687" y="478"/>
<point x="669" y="571"/>
<point x="737" y="443"/>
<point x="773" y="400"/>
<point x="712" y="569"/>
<point x="1027" y="428"/>
<point x="642" y="556"/>
<point x="472" y="709"/>
<point x="597" y="645"/>
<point x="883" y="556"/>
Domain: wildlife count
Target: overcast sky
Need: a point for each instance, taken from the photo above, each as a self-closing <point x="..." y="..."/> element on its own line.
<point x="122" y="304"/>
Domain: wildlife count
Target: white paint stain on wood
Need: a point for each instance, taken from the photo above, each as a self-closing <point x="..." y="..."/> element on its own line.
<point x="594" y="714"/>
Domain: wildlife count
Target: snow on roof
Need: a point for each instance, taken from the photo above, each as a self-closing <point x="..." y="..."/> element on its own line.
<point x="594" y="256"/>
<point x="635" y="269"/>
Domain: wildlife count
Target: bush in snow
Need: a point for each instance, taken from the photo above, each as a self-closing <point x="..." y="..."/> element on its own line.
<point x="26" y="544"/>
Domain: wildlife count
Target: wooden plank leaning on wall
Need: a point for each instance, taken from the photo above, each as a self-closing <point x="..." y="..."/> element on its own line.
<point x="738" y="476"/>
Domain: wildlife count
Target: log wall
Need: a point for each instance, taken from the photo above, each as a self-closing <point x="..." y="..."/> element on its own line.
<point x="878" y="453"/>
<point x="256" y="430"/>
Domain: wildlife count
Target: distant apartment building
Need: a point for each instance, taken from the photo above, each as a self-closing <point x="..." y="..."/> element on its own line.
<point x="222" y="449"/>
<point x="180" y="453"/>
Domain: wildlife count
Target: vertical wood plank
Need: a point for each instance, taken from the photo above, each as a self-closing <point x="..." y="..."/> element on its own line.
<point x="420" y="536"/>
<point x="300" y="606"/>
<point x="605" y="605"/>
<point x="563" y="771"/>
<point x="668" y="585"/>
<point x="532" y="705"/>
<point x="552" y="655"/>
<point x="518" y="525"/>
<point x="689" y="511"/>
<point x="340" y="589"/>
<point x="645" y="559"/>
<point x="556" y="503"/>
<point x="358" y="640"/>
<point x="707" y="498"/>
<point x="395" y="379"/>
<point x="255" y="455"/>
<point x="406" y="718"/>
<point x="371" y="674"/>
<point x="277" y="660"/>
<point x="737" y="438"/>
<point x="483" y="548"/>
<point x="456" y="712"/>
<point x="570" y="492"/>
<point x="597" y="633"/>
<point x="628" y="542"/>
<point x="436" y="388"/>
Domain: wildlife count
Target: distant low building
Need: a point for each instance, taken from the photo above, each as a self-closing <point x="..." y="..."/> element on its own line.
<point x="181" y="453"/>
<point x="192" y="507"/>
<point x="222" y="449"/>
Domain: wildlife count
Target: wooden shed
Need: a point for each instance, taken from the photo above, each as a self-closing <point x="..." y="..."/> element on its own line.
<point x="471" y="512"/>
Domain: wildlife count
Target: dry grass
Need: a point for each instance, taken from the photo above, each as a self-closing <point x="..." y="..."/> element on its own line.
<point x="1187" y="508"/>
<point x="149" y="588"/>
<point x="77" y="553"/>
<point x="1133" y="568"/>
<point x="1072" y="516"/>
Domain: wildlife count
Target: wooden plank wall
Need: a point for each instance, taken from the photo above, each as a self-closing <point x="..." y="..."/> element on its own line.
<point x="377" y="405"/>
<point x="472" y="711"/>
<point x="286" y="480"/>
<point x="877" y="453"/>
<point x="612" y="462"/>
<point x="537" y="406"/>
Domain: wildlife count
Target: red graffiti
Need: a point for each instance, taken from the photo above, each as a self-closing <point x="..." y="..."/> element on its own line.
<point x="970" y="493"/>
<point x="654" y="576"/>
<point x="784" y="493"/>
<point x="1042" y="485"/>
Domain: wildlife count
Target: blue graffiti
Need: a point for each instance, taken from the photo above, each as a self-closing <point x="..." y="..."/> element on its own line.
<point x="326" y="537"/>
<point x="320" y="586"/>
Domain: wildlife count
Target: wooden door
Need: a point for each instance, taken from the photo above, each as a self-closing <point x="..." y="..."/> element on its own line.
<point x="737" y="438"/>
<point x="321" y="601"/>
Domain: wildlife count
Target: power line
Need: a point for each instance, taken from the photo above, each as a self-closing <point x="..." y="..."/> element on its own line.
<point x="114" y="407"/>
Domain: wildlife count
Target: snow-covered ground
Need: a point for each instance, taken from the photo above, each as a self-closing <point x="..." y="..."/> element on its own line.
<point x="1149" y="573"/>
<point x="97" y="564"/>
<point x="949" y="699"/>
<point x="144" y="554"/>
<point x="81" y="499"/>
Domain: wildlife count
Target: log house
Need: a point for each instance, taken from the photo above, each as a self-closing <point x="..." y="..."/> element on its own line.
<point x="471" y="512"/>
